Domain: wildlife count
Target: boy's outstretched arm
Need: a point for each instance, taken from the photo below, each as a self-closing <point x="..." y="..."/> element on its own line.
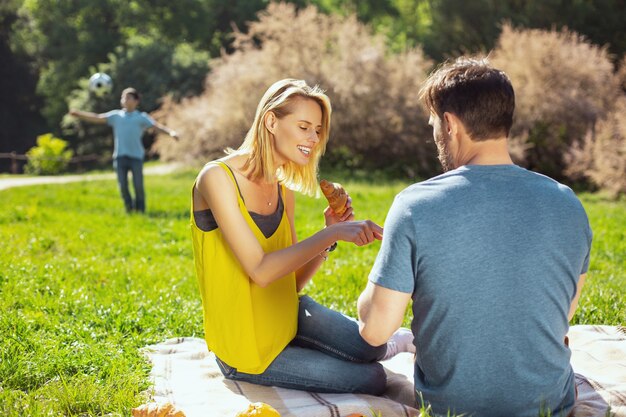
<point x="164" y="129"/>
<point x="89" y="116"/>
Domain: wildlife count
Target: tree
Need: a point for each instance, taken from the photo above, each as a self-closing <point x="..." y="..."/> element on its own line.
<point x="19" y="105"/>
<point x="65" y="38"/>
<point x="450" y="27"/>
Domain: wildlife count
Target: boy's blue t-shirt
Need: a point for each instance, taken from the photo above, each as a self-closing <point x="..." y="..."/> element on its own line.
<point x="128" y="127"/>
<point x="492" y="256"/>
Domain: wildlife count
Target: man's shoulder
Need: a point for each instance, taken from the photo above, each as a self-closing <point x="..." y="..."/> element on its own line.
<point x="431" y="187"/>
<point x="549" y="186"/>
<point x="470" y="182"/>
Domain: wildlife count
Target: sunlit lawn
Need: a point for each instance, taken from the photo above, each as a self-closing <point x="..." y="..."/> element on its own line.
<point x="83" y="286"/>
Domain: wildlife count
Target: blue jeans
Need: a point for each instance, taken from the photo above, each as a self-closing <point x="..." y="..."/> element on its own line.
<point x="327" y="355"/>
<point x="122" y="165"/>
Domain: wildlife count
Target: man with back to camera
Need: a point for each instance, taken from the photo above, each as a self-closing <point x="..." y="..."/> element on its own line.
<point x="493" y="256"/>
<point x="128" y="126"/>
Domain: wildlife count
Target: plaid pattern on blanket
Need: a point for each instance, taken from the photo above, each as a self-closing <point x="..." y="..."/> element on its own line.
<point x="185" y="374"/>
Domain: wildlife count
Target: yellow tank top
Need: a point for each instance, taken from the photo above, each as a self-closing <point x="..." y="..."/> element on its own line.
<point x="246" y="326"/>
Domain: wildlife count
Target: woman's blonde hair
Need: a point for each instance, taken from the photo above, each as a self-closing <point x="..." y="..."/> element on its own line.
<point x="279" y="99"/>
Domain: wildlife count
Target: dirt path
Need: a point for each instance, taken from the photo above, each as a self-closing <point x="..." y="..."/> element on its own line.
<point x="161" y="169"/>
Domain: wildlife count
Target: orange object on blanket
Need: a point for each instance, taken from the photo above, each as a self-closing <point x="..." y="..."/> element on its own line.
<point x="336" y="196"/>
<point x="157" y="410"/>
<point x="259" y="410"/>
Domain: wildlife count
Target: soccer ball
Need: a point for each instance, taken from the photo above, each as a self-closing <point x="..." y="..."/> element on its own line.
<point x="100" y="84"/>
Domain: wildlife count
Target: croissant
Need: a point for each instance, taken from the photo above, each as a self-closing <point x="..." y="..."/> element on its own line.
<point x="157" y="410"/>
<point x="336" y="196"/>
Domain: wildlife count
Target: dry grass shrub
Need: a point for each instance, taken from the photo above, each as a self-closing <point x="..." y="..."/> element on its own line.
<point x="563" y="86"/>
<point x="377" y="122"/>
<point x="621" y="73"/>
<point x="601" y="156"/>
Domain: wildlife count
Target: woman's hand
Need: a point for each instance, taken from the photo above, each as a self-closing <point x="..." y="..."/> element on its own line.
<point x="360" y="233"/>
<point x="330" y="217"/>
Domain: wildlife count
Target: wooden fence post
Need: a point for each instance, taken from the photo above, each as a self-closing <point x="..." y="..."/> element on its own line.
<point x="14" y="168"/>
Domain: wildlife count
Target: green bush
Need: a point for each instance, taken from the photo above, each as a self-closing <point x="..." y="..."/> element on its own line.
<point x="50" y="156"/>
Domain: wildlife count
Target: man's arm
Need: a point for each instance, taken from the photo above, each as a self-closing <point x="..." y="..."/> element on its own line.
<point x="89" y="116"/>
<point x="164" y="129"/>
<point x="579" y="289"/>
<point x="381" y="312"/>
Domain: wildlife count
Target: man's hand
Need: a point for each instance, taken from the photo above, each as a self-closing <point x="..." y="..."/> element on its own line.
<point x="174" y="135"/>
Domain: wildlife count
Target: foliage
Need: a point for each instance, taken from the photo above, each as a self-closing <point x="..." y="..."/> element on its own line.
<point x="365" y="11"/>
<point x="233" y="17"/>
<point x="66" y="39"/>
<point x="601" y="156"/>
<point x="153" y="68"/>
<point x="452" y="27"/>
<point x="377" y="120"/>
<point x="50" y="156"/>
<point x="85" y="287"/>
<point x="446" y="27"/>
<point x="563" y="85"/>
<point x="19" y="116"/>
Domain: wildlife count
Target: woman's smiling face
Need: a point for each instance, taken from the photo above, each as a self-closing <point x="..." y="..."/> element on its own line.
<point x="297" y="134"/>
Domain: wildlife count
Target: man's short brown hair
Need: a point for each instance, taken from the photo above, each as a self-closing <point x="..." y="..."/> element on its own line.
<point x="481" y="96"/>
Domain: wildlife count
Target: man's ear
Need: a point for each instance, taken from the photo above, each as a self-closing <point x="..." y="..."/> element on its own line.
<point x="452" y="124"/>
<point x="270" y="121"/>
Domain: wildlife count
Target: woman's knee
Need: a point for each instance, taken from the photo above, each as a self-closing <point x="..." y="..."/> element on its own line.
<point x="375" y="380"/>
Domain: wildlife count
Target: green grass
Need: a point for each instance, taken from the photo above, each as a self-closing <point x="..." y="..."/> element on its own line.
<point x="83" y="286"/>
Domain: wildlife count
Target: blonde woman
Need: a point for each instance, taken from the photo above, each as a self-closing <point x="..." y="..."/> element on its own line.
<point x="250" y="265"/>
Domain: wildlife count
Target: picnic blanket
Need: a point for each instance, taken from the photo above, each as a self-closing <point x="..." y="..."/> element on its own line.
<point x="185" y="374"/>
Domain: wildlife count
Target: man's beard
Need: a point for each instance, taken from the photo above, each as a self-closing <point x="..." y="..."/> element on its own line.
<point x="443" y="152"/>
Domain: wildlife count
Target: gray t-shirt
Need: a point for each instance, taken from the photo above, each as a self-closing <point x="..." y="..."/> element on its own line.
<point x="492" y="256"/>
<point x="128" y="127"/>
